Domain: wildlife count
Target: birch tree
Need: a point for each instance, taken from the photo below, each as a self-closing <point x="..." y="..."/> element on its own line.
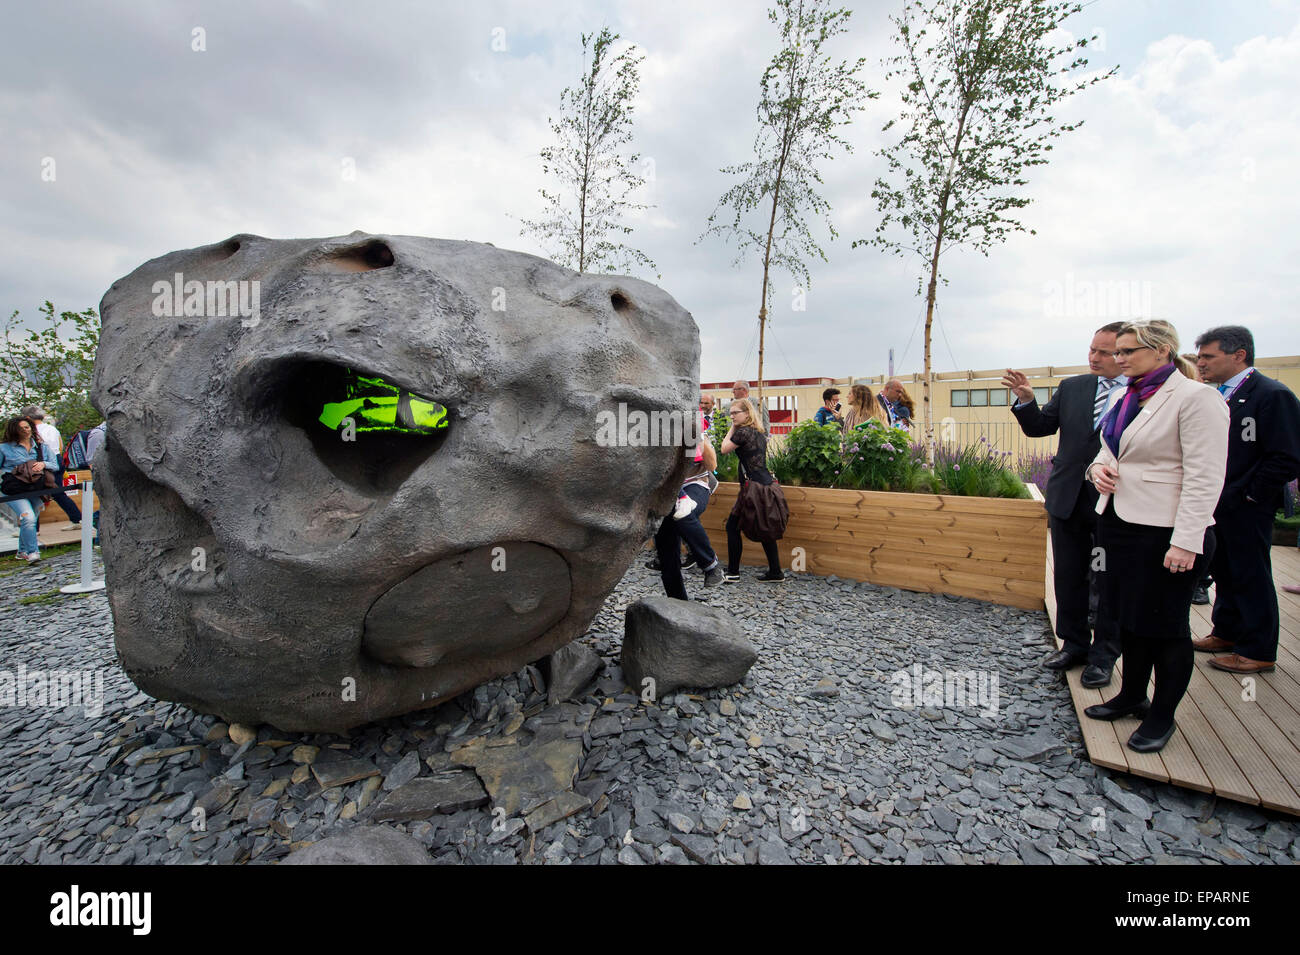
<point x="584" y="215"/>
<point x="981" y="79"/>
<point x="806" y="98"/>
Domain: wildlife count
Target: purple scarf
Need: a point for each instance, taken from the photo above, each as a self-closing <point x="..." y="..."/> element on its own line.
<point x="1122" y="415"/>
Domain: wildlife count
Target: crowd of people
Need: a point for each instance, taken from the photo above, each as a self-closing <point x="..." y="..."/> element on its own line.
<point x="1167" y="472"/>
<point x="892" y="407"/>
<point x="31" y="459"/>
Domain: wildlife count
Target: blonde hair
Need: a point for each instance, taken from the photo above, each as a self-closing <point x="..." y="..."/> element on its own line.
<point x="863" y="409"/>
<point x="754" y="421"/>
<point x="1156" y="334"/>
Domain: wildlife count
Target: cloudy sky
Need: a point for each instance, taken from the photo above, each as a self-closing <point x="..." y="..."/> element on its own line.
<point x="123" y="142"/>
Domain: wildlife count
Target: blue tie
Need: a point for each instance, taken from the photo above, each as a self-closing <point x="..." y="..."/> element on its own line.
<point x="1223" y="389"/>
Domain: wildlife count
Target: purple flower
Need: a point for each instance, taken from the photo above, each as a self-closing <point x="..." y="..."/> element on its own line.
<point x="887" y="446"/>
<point x="956" y="467"/>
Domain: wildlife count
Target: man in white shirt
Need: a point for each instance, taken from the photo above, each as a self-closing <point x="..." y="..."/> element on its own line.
<point x="48" y="433"/>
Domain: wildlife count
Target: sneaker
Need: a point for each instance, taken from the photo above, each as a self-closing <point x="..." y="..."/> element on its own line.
<point x="76" y="526"/>
<point x="714" y="577"/>
<point x="20" y="556"/>
<point x="33" y="558"/>
<point x="729" y="578"/>
<point x="688" y="560"/>
<point x="652" y="564"/>
<point x="768" y="578"/>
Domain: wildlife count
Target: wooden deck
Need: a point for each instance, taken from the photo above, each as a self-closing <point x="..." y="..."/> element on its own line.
<point x="1238" y="737"/>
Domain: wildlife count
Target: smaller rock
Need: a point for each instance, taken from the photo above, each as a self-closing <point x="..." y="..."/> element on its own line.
<point x="561" y="807"/>
<point x="368" y="845"/>
<point x="241" y="734"/>
<point x="742" y="802"/>
<point x="343" y="771"/>
<point x="727" y="708"/>
<point x="407" y="768"/>
<point x="568" y="670"/>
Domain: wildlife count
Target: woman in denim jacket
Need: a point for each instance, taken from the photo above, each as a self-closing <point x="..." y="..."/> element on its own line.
<point x="22" y="444"/>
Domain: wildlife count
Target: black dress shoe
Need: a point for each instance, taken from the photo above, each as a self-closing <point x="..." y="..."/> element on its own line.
<point x="1095" y="676"/>
<point x="1104" y="711"/>
<point x="1145" y="744"/>
<point x="688" y="560"/>
<point x="1062" y="660"/>
<point x="1200" y="596"/>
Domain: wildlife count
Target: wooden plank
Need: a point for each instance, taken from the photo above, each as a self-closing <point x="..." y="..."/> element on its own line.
<point x="925" y="561"/>
<point x="1105" y="748"/>
<point x="1267" y="782"/>
<point x="1254" y="722"/>
<point x="996" y="506"/>
<point x="1216" y="762"/>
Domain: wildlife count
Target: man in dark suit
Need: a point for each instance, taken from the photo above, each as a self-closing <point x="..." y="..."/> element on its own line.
<point x="1263" y="455"/>
<point x="1075" y="411"/>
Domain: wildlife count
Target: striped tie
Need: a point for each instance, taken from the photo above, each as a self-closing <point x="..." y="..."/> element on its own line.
<point x="1104" y="386"/>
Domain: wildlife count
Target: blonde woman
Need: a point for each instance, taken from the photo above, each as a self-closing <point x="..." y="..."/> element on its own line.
<point x="863" y="407"/>
<point x="747" y="440"/>
<point x="1159" y="473"/>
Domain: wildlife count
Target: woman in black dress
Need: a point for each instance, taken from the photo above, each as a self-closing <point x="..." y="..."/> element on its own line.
<point x="747" y="440"/>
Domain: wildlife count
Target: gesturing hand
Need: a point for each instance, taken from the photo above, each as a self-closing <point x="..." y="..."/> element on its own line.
<point x="1019" y="384"/>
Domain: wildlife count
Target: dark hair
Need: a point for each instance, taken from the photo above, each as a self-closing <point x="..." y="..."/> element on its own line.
<point x="11" y="430"/>
<point x="829" y="393"/>
<point x="906" y="401"/>
<point x="1231" y="338"/>
<point x="1111" y="329"/>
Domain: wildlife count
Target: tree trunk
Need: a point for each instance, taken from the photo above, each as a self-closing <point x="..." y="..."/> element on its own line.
<point x="927" y="416"/>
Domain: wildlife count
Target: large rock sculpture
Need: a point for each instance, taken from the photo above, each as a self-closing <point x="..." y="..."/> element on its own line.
<point x="351" y="477"/>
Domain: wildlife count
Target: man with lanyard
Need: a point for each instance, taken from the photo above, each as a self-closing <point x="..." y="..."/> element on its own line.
<point x="888" y="397"/>
<point x="706" y="408"/>
<point x="1075" y="411"/>
<point x="1263" y="456"/>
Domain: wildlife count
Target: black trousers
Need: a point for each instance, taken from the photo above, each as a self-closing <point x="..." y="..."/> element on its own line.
<point x="1245" y="599"/>
<point x="669" y="538"/>
<point x="1073" y="541"/>
<point x="736" y="547"/>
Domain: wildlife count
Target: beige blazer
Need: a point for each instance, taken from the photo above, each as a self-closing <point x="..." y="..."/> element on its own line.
<point x="1172" y="461"/>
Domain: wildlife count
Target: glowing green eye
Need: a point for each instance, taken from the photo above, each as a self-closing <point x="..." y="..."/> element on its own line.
<point x="376" y="405"/>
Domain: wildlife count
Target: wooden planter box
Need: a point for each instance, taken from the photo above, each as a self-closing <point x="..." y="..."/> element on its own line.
<point x="991" y="549"/>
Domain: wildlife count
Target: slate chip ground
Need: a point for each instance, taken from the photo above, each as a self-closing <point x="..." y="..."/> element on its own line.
<point x="826" y="779"/>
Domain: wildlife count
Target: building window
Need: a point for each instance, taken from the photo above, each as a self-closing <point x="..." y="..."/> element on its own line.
<point x="979" y="398"/>
<point x="961" y="399"/>
<point x="1042" y="395"/>
<point x="998" y="397"/>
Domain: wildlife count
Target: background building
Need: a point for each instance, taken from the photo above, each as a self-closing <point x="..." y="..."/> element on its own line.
<point x="968" y="405"/>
